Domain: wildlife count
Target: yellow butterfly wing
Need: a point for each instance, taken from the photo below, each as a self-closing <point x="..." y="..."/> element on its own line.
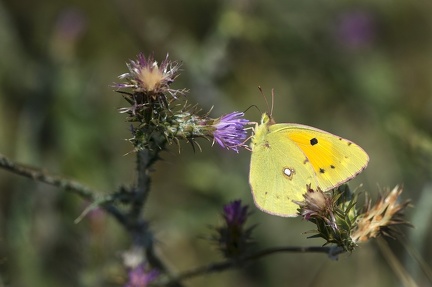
<point x="335" y="160"/>
<point x="287" y="157"/>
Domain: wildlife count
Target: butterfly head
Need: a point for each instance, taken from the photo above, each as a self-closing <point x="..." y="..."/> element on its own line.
<point x="267" y="119"/>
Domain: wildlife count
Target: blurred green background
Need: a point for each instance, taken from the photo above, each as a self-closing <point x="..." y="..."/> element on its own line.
<point x="359" y="69"/>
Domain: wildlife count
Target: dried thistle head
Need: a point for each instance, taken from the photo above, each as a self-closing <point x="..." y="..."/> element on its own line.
<point x="381" y="218"/>
<point x="339" y="222"/>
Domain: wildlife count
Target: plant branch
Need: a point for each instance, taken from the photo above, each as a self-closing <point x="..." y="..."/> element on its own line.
<point x="72" y="186"/>
<point x="234" y="263"/>
<point x="43" y="176"/>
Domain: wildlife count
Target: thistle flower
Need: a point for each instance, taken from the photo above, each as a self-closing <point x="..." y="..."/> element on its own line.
<point x="381" y="218"/>
<point x="333" y="220"/>
<point x="339" y="222"/>
<point x="235" y="214"/>
<point x="146" y="76"/>
<point x="157" y="121"/>
<point x="230" y="130"/>
<point x="318" y="204"/>
<point x="233" y="239"/>
<point x="150" y="85"/>
<point x="139" y="276"/>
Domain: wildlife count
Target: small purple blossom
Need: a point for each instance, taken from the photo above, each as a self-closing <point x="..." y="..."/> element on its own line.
<point x="140" y="277"/>
<point x="235" y="213"/>
<point x="233" y="238"/>
<point x="230" y="130"/>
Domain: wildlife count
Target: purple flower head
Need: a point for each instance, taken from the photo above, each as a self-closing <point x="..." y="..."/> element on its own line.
<point x="234" y="238"/>
<point x="235" y="213"/>
<point x="230" y="130"/>
<point x="140" y="277"/>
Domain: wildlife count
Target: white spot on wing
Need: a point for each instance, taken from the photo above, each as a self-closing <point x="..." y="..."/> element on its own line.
<point x="288" y="172"/>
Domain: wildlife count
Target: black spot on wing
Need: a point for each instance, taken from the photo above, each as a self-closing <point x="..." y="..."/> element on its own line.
<point x="321" y="170"/>
<point x="314" y="141"/>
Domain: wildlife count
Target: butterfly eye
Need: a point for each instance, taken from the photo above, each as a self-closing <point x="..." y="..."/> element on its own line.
<point x="288" y="172"/>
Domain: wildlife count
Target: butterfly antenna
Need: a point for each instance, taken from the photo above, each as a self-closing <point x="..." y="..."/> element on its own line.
<point x="252" y="106"/>
<point x="265" y="99"/>
<point x="271" y="112"/>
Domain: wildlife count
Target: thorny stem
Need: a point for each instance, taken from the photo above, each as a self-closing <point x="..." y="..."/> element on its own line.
<point x="139" y="230"/>
<point x="144" y="160"/>
<point x="230" y="263"/>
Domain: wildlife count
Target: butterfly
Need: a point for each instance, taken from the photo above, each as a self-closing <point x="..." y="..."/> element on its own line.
<point x="287" y="157"/>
